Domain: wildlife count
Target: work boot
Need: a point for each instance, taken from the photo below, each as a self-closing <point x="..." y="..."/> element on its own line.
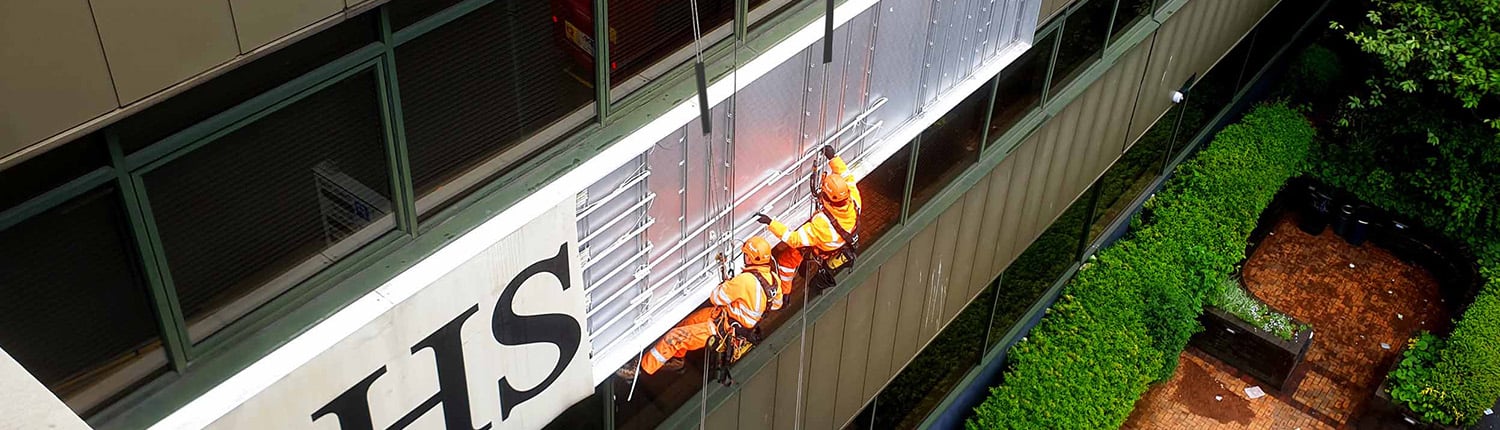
<point x="675" y="364"/>
<point x="628" y="371"/>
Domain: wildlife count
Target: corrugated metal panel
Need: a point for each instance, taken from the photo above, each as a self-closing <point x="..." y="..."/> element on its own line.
<point x="913" y="296"/>
<point x="791" y="377"/>
<point x="947" y="296"/>
<point x="989" y="247"/>
<point x="1014" y="218"/>
<point x="900" y="29"/>
<point x="854" y="356"/>
<point x="886" y="324"/>
<point x="1066" y="152"/>
<point x="1036" y="186"/>
<point x="968" y="241"/>
<point x="823" y="375"/>
<point x="935" y="261"/>
<point x="757" y="398"/>
<point x="726" y="417"/>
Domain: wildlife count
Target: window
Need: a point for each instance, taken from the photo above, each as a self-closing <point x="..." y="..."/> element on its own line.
<point x="1036" y="269"/>
<point x="948" y="147"/>
<point x="1020" y="86"/>
<point x="883" y="190"/>
<point x="646" y="32"/>
<point x="937" y="369"/>
<point x="76" y="312"/>
<point x="1130" y="176"/>
<point x="475" y="94"/>
<point x="247" y="81"/>
<point x="246" y="216"/>
<point x="1083" y="36"/>
<point x="404" y="13"/>
<point x="51" y="169"/>
<point x="1127" y="13"/>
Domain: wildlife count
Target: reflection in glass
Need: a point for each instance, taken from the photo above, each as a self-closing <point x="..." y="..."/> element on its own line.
<point x="948" y="147"/>
<point x="1020" y="86"/>
<point x="476" y="92"/>
<point x="645" y="32"/>
<point x="1036" y="269"/>
<point x="1130" y="176"/>
<point x="882" y="191"/>
<point x="1082" y="42"/>
<point x="76" y="312"/>
<point x="1127" y="13"/>
<point x="293" y="192"/>
<point x="922" y="385"/>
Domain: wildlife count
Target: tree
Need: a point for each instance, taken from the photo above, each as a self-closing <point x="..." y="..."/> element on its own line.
<point x="1448" y="46"/>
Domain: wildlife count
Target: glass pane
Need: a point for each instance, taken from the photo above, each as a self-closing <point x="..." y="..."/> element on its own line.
<point x="657" y="395"/>
<point x="476" y="92"/>
<point x="51" y="169"/>
<point x="1278" y="27"/>
<point x="1028" y="278"/>
<point x="1082" y="41"/>
<point x="404" y="13"/>
<point x="948" y="147"/>
<point x="882" y="191"/>
<point x="292" y="192"/>
<point x="937" y="369"/>
<point x="1208" y="96"/>
<point x="76" y="312"/>
<point x="245" y="82"/>
<point x="1127" y="13"/>
<point x="645" y="32"/>
<point x="1021" y="86"/>
<point x="586" y="414"/>
<point x="1130" y="176"/>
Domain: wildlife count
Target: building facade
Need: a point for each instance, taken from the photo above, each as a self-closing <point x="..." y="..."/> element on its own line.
<point x="471" y="213"/>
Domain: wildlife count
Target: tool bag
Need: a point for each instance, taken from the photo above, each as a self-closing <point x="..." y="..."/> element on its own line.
<point x="834" y="262"/>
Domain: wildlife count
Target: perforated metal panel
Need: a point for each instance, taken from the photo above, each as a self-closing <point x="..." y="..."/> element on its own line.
<point x="652" y="231"/>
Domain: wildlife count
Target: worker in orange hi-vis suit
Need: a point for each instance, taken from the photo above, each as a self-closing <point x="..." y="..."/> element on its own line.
<point x="825" y="233"/>
<point x="738" y="305"/>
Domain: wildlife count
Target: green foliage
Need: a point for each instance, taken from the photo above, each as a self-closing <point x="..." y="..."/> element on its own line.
<point x="1232" y="298"/>
<point x="1122" y="322"/>
<point x="1313" y="75"/>
<point x="1411" y="381"/>
<point x="1447" y="46"/>
<point x="1463" y="379"/>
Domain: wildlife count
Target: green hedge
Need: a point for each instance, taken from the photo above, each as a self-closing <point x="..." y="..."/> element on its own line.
<point x="1457" y="382"/>
<point x="1121" y="323"/>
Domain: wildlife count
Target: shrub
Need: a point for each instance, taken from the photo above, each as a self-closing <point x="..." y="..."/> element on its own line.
<point x="1452" y="382"/>
<point x="1122" y="322"/>
<point x="1233" y="299"/>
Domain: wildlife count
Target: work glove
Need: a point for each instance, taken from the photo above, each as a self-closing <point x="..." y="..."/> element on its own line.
<point x="762" y="218"/>
<point x="828" y="152"/>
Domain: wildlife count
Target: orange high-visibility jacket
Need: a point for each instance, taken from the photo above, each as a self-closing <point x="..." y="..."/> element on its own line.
<point x="818" y="232"/>
<point x="743" y="296"/>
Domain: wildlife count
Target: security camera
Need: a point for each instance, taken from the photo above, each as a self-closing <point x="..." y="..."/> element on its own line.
<point x="1178" y="97"/>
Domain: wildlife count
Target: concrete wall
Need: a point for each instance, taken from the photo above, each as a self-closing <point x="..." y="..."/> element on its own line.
<point x="66" y="62"/>
<point x="868" y="336"/>
<point x="28" y="404"/>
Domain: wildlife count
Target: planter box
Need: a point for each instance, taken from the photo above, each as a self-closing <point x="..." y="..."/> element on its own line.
<point x="1257" y="353"/>
<point x="1383" y="413"/>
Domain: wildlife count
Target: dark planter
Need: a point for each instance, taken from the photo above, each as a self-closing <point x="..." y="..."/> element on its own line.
<point x="1257" y="353"/>
<point x="1313" y="217"/>
<point x="1383" y="413"/>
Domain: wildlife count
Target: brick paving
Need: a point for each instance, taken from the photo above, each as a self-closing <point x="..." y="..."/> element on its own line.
<point x="1363" y="304"/>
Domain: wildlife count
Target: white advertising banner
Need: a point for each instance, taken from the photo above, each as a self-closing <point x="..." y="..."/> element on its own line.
<point x="498" y="341"/>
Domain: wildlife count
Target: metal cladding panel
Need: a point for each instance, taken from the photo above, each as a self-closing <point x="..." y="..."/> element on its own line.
<point x="726" y="417"/>
<point x="1150" y="102"/>
<point x="943" y="49"/>
<point x="829" y="117"/>
<point x="57" y="79"/>
<point x="886" y="322"/>
<point x="766" y="135"/>
<point x="920" y="276"/>
<point x="855" y="355"/>
<point x="260" y="21"/>
<point x="970" y="224"/>
<point x="896" y="71"/>
<point x="913" y="296"/>
<point x="812" y="98"/>
<point x="757" y="398"/>
<point x="989" y="249"/>
<point x="1066" y="154"/>
<point x="823" y="374"/>
<point x="1014" y="219"/>
<point x="945" y="296"/>
<point x="791" y="379"/>
<point x="1051" y="8"/>
<point x="856" y="82"/>
<point x="1084" y="167"/>
<point x="147" y="54"/>
<point x="1033" y="222"/>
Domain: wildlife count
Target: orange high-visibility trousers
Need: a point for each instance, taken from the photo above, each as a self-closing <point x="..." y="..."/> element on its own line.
<point x="788" y="259"/>
<point x="690" y="334"/>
